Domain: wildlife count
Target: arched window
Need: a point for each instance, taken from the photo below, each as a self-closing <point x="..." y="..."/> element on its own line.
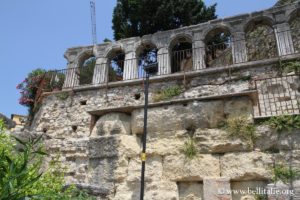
<point x="182" y="55"/>
<point x="295" y="27"/>
<point x="260" y="41"/>
<point x="85" y="71"/>
<point x="146" y="54"/>
<point x="218" y="49"/>
<point x="116" y="66"/>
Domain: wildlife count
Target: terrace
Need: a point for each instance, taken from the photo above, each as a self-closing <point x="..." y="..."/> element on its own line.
<point x="266" y="37"/>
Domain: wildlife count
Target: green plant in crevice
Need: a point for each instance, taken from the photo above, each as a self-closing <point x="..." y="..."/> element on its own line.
<point x="284" y="174"/>
<point x="63" y="95"/>
<point x="290" y="66"/>
<point x="190" y="149"/>
<point x="241" y="127"/>
<point x="167" y="93"/>
<point x="261" y="197"/>
<point x="284" y="122"/>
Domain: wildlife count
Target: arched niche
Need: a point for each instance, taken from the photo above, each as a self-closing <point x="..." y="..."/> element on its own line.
<point x="85" y="68"/>
<point x="218" y="47"/>
<point x="181" y="54"/>
<point x="294" y="22"/>
<point x="260" y="39"/>
<point x="115" y="64"/>
<point x="146" y="54"/>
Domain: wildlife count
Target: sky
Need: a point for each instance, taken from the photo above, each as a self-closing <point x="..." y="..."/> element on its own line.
<point x="36" y="33"/>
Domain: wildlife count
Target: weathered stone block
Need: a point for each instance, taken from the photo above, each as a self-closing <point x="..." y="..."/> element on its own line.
<point x="247" y="189"/>
<point x="216" y="188"/>
<point x="154" y="169"/>
<point x="112" y="124"/>
<point x="218" y="141"/>
<point x="103" y="147"/>
<point x="239" y="106"/>
<point x="179" y="117"/>
<point x="189" y="190"/>
<point x="130" y="146"/>
<point x="180" y="168"/>
<point x="163" y="190"/>
<point x="247" y="166"/>
<point x="102" y="172"/>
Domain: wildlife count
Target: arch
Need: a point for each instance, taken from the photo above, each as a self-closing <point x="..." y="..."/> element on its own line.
<point x="260" y="39"/>
<point x="146" y="53"/>
<point x="115" y="63"/>
<point x="218" y="46"/>
<point x="84" y="56"/>
<point x="294" y="22"/>
<point x="181" y="53"/>
<point x="261" y="20"/>
<point x="85" y="67"/>
<point x="215" y="28"/>
<point x="111" y="49"/>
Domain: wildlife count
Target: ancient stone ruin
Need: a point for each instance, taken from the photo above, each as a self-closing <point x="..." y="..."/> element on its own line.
<point x="92" y="115"/>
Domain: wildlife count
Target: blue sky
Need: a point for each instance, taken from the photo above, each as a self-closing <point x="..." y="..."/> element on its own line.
<point x="35" y="34"/>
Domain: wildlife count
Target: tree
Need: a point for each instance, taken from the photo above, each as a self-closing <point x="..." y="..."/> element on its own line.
<point x="140" y="17"/>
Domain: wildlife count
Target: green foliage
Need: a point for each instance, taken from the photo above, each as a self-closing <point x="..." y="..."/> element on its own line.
<point x="288" y="67"/>
<point x="63" y="95"/>
<point x="261" y="197"/>
<point x="106" y="40"/>
<point x="167" y="93"/>
<point x="241" y="127"/>
<point x="190" y="149"/>
<point x="284" y="122"/>
<point x="28" y="90"/>
<point x="137" y="18"/>
<point x="284" y="174"/>
<point x="86" y="72"/>
<point x="21" y="175"/>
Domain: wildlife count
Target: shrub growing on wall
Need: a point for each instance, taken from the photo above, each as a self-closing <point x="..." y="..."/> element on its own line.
<point x="28" y="89"/>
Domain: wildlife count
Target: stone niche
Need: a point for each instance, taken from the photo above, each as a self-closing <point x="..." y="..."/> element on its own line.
<point x="190" y="190"/>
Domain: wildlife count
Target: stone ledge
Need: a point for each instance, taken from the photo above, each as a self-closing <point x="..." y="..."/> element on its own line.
<point x="128" y="109"/>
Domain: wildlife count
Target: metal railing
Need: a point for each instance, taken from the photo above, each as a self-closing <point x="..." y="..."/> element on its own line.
<point x="218" y="55"/>
<point x="278" y="96"/>
<point x="182" y="60"/>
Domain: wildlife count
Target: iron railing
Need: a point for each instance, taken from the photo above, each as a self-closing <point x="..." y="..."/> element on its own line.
<point x="278" y="96"/>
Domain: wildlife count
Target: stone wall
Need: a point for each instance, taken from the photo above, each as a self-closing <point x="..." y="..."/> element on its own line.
<point x="97" y="133"/>
<point x="97" y="130"/>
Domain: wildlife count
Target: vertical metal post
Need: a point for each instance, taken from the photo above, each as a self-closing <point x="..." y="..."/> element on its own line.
<point x="143" y="155"/>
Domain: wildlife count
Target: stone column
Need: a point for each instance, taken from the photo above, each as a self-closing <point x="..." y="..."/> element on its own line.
<point x="284" y="39"/>
<point x="239" y="50"/>
<point x="216" y="188"/>
<point x="72" y="78"/>
<point x="130" y="66"/>
<point x="198" y="51"/>
<point x="163" y="59"/>
<point x="198" y="55"/>
<point x="100" y="71"/>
